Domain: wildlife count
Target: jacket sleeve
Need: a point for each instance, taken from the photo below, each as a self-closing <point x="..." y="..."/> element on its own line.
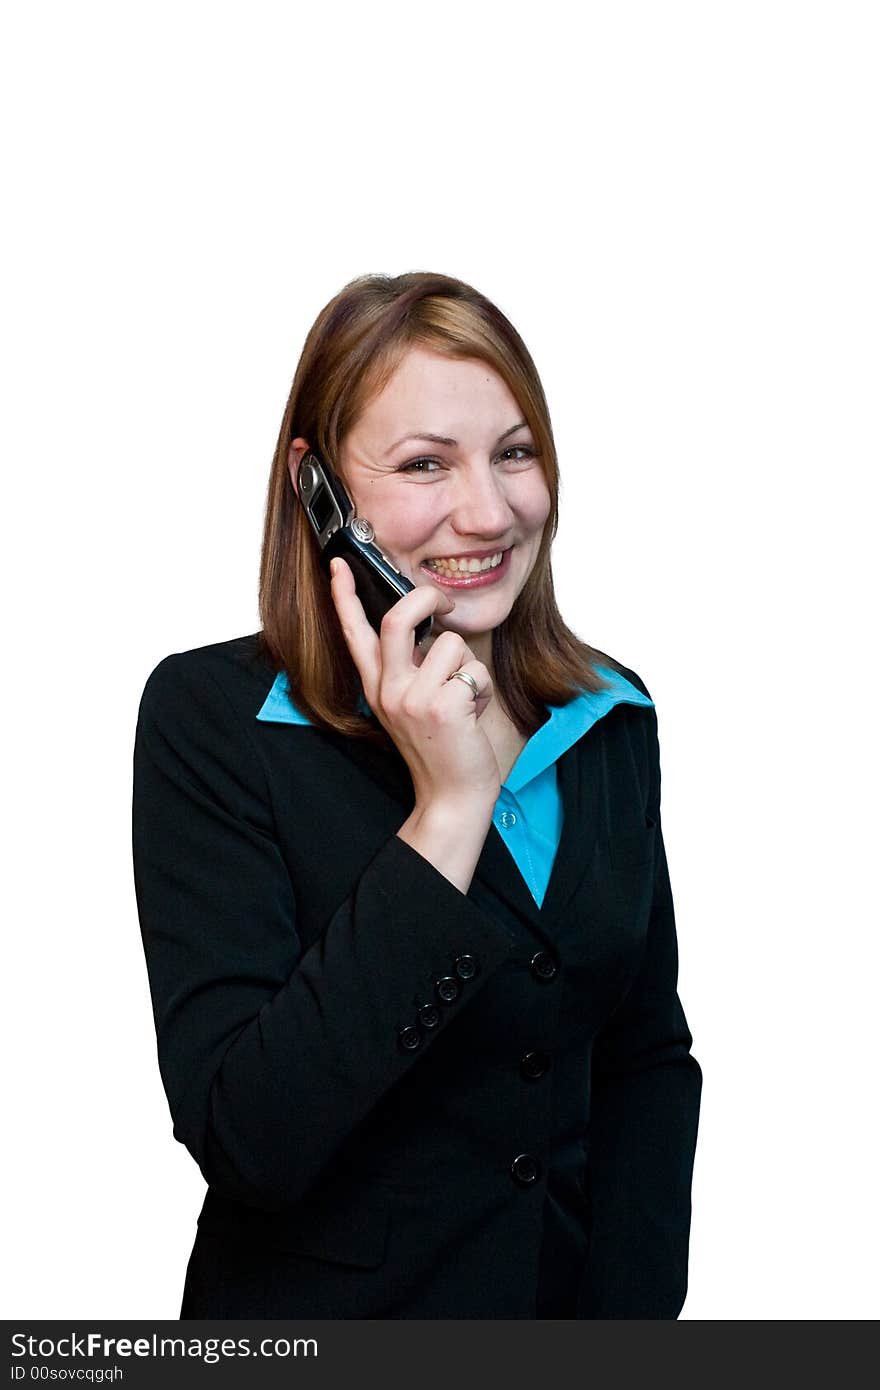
<point x="643" y="1125"/>
<point x="270" y="1055"/>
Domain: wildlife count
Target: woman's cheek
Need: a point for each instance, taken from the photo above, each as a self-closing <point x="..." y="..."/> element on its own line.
<point x="532" y="499"/>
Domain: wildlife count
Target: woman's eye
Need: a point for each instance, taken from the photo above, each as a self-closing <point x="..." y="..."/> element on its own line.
<point x="430" y="465"/>
<point x="416" y="465"/>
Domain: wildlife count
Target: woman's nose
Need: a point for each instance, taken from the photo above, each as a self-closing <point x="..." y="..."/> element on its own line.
<point x="481" y="507"/>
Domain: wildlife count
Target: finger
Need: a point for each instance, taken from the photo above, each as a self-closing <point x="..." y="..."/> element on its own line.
<point x="397" y="636"/>
<point x="454" y="654"/>
<point x="447" y="653"/>
<point x="362" y="640"/>
<point x="485" y="688"/>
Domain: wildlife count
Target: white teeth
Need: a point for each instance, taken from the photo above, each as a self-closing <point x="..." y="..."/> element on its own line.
<point x="466" y="566"/>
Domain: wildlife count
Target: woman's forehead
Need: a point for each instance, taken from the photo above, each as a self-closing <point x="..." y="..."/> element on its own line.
<point x="431" y="393"/>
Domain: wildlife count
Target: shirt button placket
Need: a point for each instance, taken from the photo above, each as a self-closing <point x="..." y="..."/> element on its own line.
<point x="527" y="1170"/>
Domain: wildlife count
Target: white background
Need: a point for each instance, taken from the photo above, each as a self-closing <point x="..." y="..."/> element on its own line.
<point x="677" y="205"/>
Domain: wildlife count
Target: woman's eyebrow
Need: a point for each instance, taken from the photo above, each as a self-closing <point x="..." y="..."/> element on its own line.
<point x="442" y="439"/>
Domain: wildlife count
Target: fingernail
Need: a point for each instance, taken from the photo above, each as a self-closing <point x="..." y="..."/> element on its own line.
<point x="334" y="565"/>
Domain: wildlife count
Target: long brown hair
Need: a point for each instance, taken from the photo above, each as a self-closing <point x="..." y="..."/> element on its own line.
<point x="351" y="352"/>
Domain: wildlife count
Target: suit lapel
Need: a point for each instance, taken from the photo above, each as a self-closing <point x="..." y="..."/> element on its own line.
<point x="498" y="871"/>
<point x="580" y="776"/>
<point x="497" y="874"/>
<point x="384" y="766"/>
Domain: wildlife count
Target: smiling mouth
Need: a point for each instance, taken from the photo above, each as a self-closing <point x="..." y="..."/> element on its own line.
<point x="468" y="573"/>
<point x="465" y="565"/>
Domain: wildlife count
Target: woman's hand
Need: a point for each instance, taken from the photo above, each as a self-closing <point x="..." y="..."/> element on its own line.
<point x="434" y="721"/>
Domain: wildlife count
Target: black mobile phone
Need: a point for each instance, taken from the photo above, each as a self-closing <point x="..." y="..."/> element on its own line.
<point x="338" y="531"/>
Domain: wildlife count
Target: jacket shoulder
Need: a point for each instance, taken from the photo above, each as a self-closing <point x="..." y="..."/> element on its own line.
<point x="240" y="667"/>
<point x="647" y="726"/>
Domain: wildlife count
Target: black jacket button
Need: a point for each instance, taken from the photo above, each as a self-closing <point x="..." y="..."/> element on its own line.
<point x="409" y="1038"/>
<point x="525" y="1169"/>
<point x="466" y="967"/>
<point x="534" y="1064"/>
<point x="543" y="966"/>
<point x="429" y="1015"/>
<point x="447" y="988"/>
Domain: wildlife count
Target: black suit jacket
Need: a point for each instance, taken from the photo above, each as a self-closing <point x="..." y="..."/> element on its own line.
<point x="373" y="1143"/>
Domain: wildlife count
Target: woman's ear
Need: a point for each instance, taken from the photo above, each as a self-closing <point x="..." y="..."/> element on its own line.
<point x="298" y="447"/>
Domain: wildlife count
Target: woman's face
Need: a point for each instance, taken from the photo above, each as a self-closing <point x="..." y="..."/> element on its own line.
<point x="473" y="494"/>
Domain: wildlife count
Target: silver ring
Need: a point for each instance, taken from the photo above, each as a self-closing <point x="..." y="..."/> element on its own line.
<point x="465" y="676"/>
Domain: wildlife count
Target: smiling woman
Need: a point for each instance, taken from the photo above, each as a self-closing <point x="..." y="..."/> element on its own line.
<point x="405" y="907"/>
<point x="389" y="364"/>
<point x="470" y="518"/>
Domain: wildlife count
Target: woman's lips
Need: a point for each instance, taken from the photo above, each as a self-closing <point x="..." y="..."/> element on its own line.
<point x="470" y="581"/>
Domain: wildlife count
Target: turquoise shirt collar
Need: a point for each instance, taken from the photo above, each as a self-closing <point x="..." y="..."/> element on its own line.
<point x="567" y="723"/>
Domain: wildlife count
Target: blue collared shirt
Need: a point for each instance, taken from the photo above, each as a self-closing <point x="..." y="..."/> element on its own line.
<point x="528" y="812"/>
